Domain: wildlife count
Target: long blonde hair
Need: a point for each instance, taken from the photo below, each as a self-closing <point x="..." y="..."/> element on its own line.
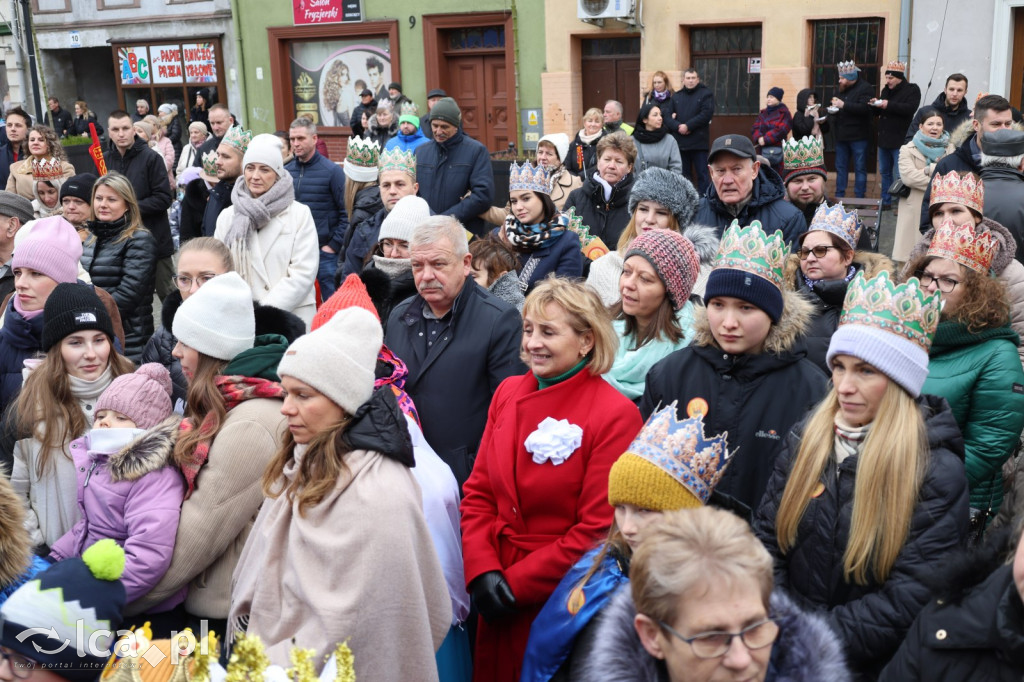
<point x="352" y="188"/>
<point x="890" y="470"/>
<point x="122" y="186"/>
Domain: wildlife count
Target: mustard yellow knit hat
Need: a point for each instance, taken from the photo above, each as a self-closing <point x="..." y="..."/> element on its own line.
<point x="669" y="465"/>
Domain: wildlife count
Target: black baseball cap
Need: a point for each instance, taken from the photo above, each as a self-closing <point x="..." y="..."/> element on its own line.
<point x="739" y="145"/>
<point x="436" y="92"/>
<point x="366" y="92"/>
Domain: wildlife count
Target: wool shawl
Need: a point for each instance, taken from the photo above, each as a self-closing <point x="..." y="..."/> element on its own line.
<point x="358" y="566"/>
<point x="253" y="214"/>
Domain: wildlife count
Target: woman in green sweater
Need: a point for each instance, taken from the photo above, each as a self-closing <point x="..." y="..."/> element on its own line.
<point x="973" y="362"/>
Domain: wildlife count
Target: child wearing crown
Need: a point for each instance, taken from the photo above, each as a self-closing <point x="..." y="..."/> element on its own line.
<point x="869" y="493"/>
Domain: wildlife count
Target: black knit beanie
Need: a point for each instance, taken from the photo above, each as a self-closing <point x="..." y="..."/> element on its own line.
<point x="73" y="308"/>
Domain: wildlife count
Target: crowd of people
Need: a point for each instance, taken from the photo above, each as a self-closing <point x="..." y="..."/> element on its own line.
<point x="665" y="415"/>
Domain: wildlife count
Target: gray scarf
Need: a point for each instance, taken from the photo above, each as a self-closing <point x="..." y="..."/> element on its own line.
<point x="253" y="214"/>
<point x="392" y="267"/>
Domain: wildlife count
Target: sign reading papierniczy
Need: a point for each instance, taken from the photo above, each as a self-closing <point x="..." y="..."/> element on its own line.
<point x="326" y="11"/>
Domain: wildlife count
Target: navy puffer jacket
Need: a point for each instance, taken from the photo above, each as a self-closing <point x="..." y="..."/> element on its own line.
<point x="320" y="185"/>
<point x="361" y="237"/>
<point x="447" y="171"/>
<point x="871" y="619"/>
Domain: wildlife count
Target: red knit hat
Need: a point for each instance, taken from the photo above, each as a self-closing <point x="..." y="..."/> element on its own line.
<point x="673" y="257"/>
<point x="351" y="293"/>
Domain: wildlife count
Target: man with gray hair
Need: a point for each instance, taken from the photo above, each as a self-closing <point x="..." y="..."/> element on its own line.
<point x="458" y="340"/>
<point x="1002" y="170"/>
<point x="319" y="184"/>
<point x="613" y="118"/>
<point x="15" y="211"/>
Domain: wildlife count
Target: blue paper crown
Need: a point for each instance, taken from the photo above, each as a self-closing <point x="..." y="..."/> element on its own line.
<point x="527" y="177"/>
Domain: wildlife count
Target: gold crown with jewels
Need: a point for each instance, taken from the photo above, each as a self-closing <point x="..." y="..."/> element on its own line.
<point x="409" y="109"/>
<point x="902" y="309"/>
<point x="967" y="189"/>
<point x="752" y="250"/>
<point x="398" y="160"/>
<point x="963" y="245"/>
<point x="838" y="221"/>
<point x="807" y="152"/>
<point x="529" y="178"/>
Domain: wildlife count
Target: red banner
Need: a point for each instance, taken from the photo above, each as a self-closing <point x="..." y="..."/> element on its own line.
<point x="325" y="11"/>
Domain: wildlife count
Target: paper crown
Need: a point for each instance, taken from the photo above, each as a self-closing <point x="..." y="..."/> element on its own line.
<point x="895" y="65"/>
<point x="847" y="69"/>
<point x="807" y="152"/>
<point x="680" y="449"/>
<point x="968" y="190"/>
<point x="905" y="310"/>
<point x="963" y="245"/>
<point x="46" y="169"/>
<point x="138" y="658"/>
<point x="363" y="152"/>
<point x="838" y="221"/>
<point x="752" y="250"/>
<point x="210" y="163"/>
<point x="238" y="138"/>
<point x="591" y="245"/>
<point x="398" y="160"/>
<point x="527" y="177"/>
<point x="409" y="109"/>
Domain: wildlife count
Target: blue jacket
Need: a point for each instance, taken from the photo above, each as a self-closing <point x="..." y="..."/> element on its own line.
<point x="320" y="184"/>
<point x="768" y="204"/>
<point x="447" y="170"/>
<point x="407" y="143"/>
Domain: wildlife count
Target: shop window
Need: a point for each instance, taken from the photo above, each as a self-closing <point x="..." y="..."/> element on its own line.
<point x="328" y="75"/>
<point x="728" y="60"/>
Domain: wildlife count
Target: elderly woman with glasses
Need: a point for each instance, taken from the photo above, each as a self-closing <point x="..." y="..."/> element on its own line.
<point x="821" y="267"/>
<point x="700" y="607"/>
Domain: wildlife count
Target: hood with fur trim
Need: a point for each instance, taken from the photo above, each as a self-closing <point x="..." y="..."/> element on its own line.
<point x="871" y="264"/>
<point x="15" y="544"/>
<point x="806" y="648"/>
<point x="705" y="242"/>
<point x="150" y="451"/>
<point x="783" y="336"/>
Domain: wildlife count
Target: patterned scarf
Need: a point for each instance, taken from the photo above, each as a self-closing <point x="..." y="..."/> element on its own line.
<point x="849" y="440"/>
<point x="395" y="380"/>
<point x="529" y="238"/>
<point x="235" y="390"/>
<point x="660" y="96"/>
<point x="850" y="274"/>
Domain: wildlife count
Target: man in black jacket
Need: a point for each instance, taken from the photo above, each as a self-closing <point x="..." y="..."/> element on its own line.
<point x="367" y="105"/>
<point x="144" y="168"/>
<point x="57" y="118"/>
<point x="951" y="106"/>
<point x="220" y="121"/>
<point x="1002" y="170"/>
<point x="458" y="340"/>
<point x="852" y="129"/>
<point x="693" y="106"/>
<point x="991" y="113"/>
<point x="895" y="109"/>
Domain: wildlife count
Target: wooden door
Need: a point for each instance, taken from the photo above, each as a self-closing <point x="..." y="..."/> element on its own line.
<point x="1017" y="63"/>
<point x="478" y="84"/>
<point x="496" y="103"/>
<point x="611" y="70"/>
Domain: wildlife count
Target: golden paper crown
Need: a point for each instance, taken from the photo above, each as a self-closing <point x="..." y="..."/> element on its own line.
<point x="137" y="658"/>
<point x="751" y="249"/>
<point x="210" y="163"/>
<point x="905" y="310"/>
<point x="363" y="152"/>
<point x="396" y="159"/>
<point x="591" y="245"/>
<point x="528" y="178"/>
<point x="895" y="65"/>
<point x="807" y="152"/>
<point x="46" y="169"/>
<point x="836" y="220"/>
<point x="968" y="190"/>
<point x="974" y="250"/>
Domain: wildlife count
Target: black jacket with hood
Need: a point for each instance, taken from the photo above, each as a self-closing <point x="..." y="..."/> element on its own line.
<point x="756" y="398"/>
<point x="952" y="118"/>
<point x="145" y="169"/>
<point x="802" y="123"/>
<point x="767" y="204"/>
<point x="871" y="619"/>
<point x="903" y="101"/>
<point x="853" y="121"/>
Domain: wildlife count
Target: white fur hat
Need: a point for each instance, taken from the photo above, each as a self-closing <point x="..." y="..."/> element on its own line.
<point x="407" y="214"/>
<point x="560" y="141"/>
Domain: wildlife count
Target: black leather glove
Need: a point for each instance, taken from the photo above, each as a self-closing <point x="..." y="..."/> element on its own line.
<point x="492" y="596"/>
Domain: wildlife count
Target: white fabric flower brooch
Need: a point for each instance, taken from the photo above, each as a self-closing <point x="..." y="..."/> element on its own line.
<point x="554" y="440"/>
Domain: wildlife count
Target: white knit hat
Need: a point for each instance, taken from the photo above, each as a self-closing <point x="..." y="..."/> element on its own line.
<point x="265" y="149"/>
<point x="218" y="320"/>
<point x="348" y="344"/>
<point x="405" y="217"/>
<point x="560" y="141"/>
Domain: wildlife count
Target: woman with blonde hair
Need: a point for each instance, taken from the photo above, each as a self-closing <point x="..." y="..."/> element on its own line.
<point x="869" y="493"/>
<point x="581" y="159"/>
<point x="537" y="496"/>
<point x="43" y="148"/>
<point x="160" y="143"/>
<point x="120" y="257"/>
<point x="83" y="117"/>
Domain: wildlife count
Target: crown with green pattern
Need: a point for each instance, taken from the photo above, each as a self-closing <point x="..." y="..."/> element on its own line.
<point x="752" y="250"/>
<point x="409" y="109"/>
<point x="398" y="160"/>
<point x="238" y="138"/>
<point x="807" y="152"/>
<point x="592" y="246"/>
<point x="905" y="310"/>
<point x="210" y="163"/>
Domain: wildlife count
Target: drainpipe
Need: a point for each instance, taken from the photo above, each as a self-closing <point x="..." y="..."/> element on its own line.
<point x="237" y="28"/>
<point x="905" y="19"/>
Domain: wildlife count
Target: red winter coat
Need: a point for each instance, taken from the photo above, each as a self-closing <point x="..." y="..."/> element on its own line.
<point x="774" y="123"/>
<point x="533" y="521"/>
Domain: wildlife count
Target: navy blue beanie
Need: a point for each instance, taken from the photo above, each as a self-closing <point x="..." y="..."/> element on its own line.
<point x="745" y="286"/>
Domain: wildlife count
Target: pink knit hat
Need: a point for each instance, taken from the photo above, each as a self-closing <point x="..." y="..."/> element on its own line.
<point x="53" y="248"/>
<point x="674" y="259"/>
<point x="144" y="397"/>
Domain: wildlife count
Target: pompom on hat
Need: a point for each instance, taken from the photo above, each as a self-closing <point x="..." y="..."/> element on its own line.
<point x="65" y="617"/>
<point x="673" y="258"/>
<point x="348" y="344"/>
<point x="143" y="396"/>
<point x="218" y="320"/>
<point x="669" y="465"/>
<point x="71" y="308"/>
<point x="888" y="326"/>
<point x="749" y="266"/>
<point x="351" y="293"/>
<point x="53" y="248"/>
<point x="668" y="189"/>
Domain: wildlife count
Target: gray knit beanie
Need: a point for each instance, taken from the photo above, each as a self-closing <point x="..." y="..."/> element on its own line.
<point x="407" y="214"/>
<point x="447" y="110"/>
<point x="669" y="189"/>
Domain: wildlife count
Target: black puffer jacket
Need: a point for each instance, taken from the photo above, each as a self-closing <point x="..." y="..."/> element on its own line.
<point x="145" y="169"/>
<point x="606" y="219"/>
<point x="127" y="270"/>
<point x="269" y="320"/>
<point x="387" y="292"/>
<point x="767" y="204"/>
<point x="853" y="122"/>
<point x="741" y="394"/>
<point x="363" y="239"/>
<point x="364" y="207"/>
<point x="870" y="619"/>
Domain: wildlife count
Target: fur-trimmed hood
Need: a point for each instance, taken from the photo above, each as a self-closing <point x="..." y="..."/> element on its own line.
<point x="150" y="451"/>
<point x="1003" y="258"/>
<point x="962" y="133"/>
<point x="870" y="263"/>
<point x="783" y="336"/>
<point x="15" y="544"/>
<point x="705" y="241"/>
<point x="805" y="650"/>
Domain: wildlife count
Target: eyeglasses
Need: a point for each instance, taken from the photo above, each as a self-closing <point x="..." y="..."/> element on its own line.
<point x="715" y="644"/>
<point x="21" y="666"/>
<point x="945" y="284"/>
<point x="185" y="283"/>
<point x="818" y="251"/>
